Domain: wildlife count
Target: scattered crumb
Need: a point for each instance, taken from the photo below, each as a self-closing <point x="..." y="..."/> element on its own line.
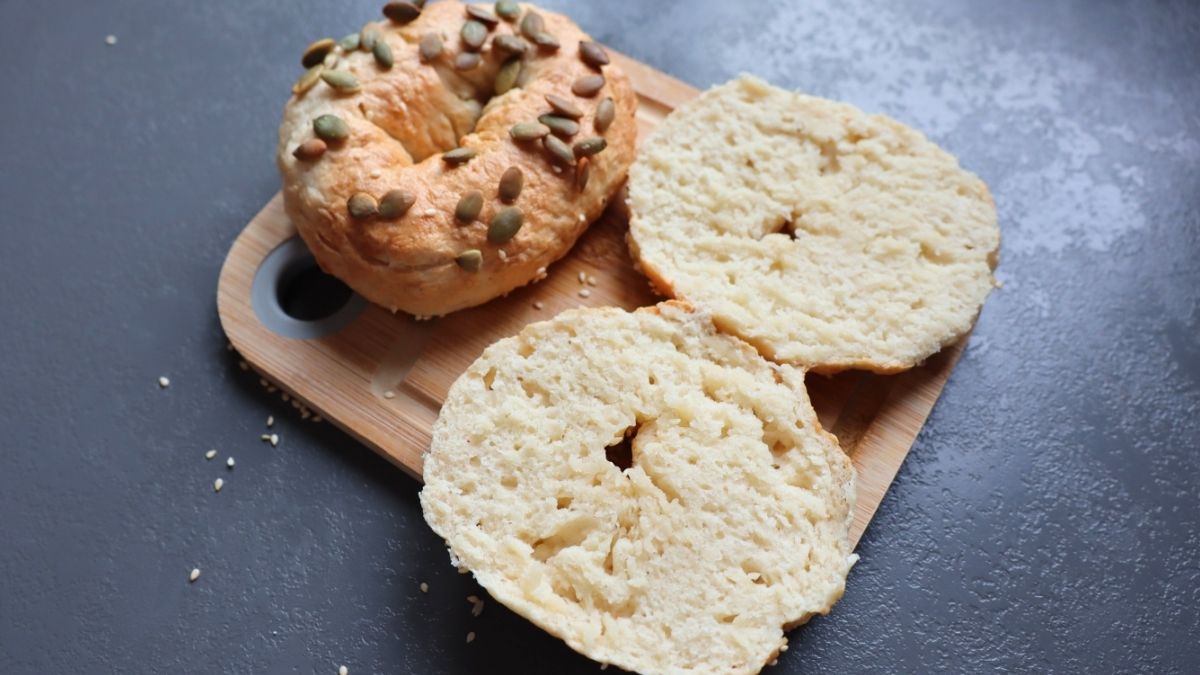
<point x="424" y="587"/>
<point x="243" y="365"/>
<point x="210" y="454"/>
<point x="229" y="462"/>
<point x="110" y="40"/>
<point x="539" y="304"/>
<point x="218" y="484"/>
<point x="163" y="381"/>
<point x="271" y="418"/>
<point x="195" y="574"/>
<point x="343" y="670"/>
<point x="389" y="394"/>
<point x="583" y="293"/>
<point x="470" y="637"/>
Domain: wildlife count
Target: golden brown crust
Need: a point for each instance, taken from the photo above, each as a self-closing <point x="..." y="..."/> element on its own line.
<point x="400" y="123"/>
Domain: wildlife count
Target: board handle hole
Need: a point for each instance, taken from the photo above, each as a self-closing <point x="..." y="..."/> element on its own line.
<point x="305" y="293"/>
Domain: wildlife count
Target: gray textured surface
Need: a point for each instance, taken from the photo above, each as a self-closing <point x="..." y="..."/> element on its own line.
<point x="1047" y="519"/>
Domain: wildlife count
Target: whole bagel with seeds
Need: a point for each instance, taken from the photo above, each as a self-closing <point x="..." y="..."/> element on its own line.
<point x="725" y="523"/>
<point x="390" y="129"/>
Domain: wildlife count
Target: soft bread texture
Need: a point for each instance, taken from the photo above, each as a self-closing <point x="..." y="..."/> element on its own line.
<point x="400" y="123"/>
<point x="730" y="526"/>
<point x="825" y="237"/>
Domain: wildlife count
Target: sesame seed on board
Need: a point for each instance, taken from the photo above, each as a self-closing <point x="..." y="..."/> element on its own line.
<point x="470" y="637"/>
<point x="218" y="484"/>
<point x="194" y="575"/>
<point x="424" y="587"/>
<point x="163" y="381"/>
<point x="210" y="454"/>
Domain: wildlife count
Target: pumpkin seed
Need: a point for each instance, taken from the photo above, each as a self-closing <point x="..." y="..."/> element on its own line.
<point x="593" y="54"/>
<point x="341" y="80"/>
<point x="367" y="37"/>
<point x="560" y="152"/>
<point x="511" y="183"/>
<point x="310" y="150"/>
<point x="482" y="15"/>
<point x="458" y="156"/>
<point x="583" y="171"/>
<point x="362" y="206"/>
<point x="563" y="107"/>
<point x="588" y="85"/>
<point x="396" y="203"/>
<point x="528" y="131"/>
<point x="308" y="79"/>
<point x="510" y="44"/>
<point x="402" y="12"/>
<point x="505" y="224"/>
<point x="469" y="206"/>
<point x="508" y="10"/>
<point x="470" y="260"/>
<point x="466" y="61"/>
<point x="606" y="112"/>
<point x="473" y="35"/>
<point x="383" y="55"/>
<point x="315" y="52"/>
<point x="350" y="42"/>
<point x="331" y="128"/>
<point x="590" y="146"/>
<point x="560" y="126"/>
<point x="546" y="42"/>
<point x="532" y="24"/>
<point x="506" y="78"/>
<point x="430" y="47"/>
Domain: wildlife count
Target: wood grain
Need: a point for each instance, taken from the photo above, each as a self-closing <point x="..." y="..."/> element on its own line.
<point x="382" y="379"/>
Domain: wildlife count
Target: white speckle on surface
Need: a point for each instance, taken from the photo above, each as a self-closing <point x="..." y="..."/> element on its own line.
<point x="163" y="382"/>
<point x="210" y="454"/>
<point x="194" y="575"/>
<point x="218" y="484"/>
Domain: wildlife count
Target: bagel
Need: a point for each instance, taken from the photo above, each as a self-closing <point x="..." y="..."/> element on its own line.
<point x="394" y="145"/>
<point x="825" y="237"/>
<point x="729" y="525"/>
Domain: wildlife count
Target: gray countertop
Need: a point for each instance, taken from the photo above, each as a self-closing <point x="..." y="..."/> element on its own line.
<point x="1047" y="519"/>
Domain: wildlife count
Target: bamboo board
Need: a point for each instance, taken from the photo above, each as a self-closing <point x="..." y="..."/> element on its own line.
<point x="383" y="377"/>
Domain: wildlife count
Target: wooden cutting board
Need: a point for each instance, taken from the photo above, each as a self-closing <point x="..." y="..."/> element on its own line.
<point x="383" y="377"/>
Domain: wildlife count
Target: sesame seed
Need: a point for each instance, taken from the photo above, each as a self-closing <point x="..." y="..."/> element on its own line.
<point x="431" y="212"/>
<point x="389" y="394"/>
<point x="583" y="293"/>
<point x="285" y="397"/>
<point x="583" y="277"/>
<point x="110" y="40"/>
<point x="265" y="437"/>
<point x="228" y="346"/>
<point x="243" y="365"/>
<point x="502" y="254"/>
<point x="270" y="421"/>
<point x="218" y="484"/>
<point x="271" y="389"/>
<point x="274" y="440"/>
<point x="539" y="304"/>
<point x="296" y="405"/>
<point x="317" y="419"/>
<point x="592" y="281"/>
<point x="541" y="271"/>
<point x="262" y="381"/>
<point x="210" y="454"/>
<point x="195" y="574"/>
<point x="229" y="462"/>
<point x="343" y="670"/>
<point x="470" y="637"/>
<point x="582" y="218"/>
<point x="304" y="413"/>
<point x="477" y="608"/>
<point x="783" y="648"/>
<point x="557" y="169"/>
<point x="163" y="381"/>
<point x="424" y="587"/>
<point x="603" y="666"/>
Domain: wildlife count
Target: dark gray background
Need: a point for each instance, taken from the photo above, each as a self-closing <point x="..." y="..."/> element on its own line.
<point x="1048" y="517"/>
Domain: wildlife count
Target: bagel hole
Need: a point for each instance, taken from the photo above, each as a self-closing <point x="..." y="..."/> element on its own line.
<point x="620" y="454"/>
<point x="305" y="293"/>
